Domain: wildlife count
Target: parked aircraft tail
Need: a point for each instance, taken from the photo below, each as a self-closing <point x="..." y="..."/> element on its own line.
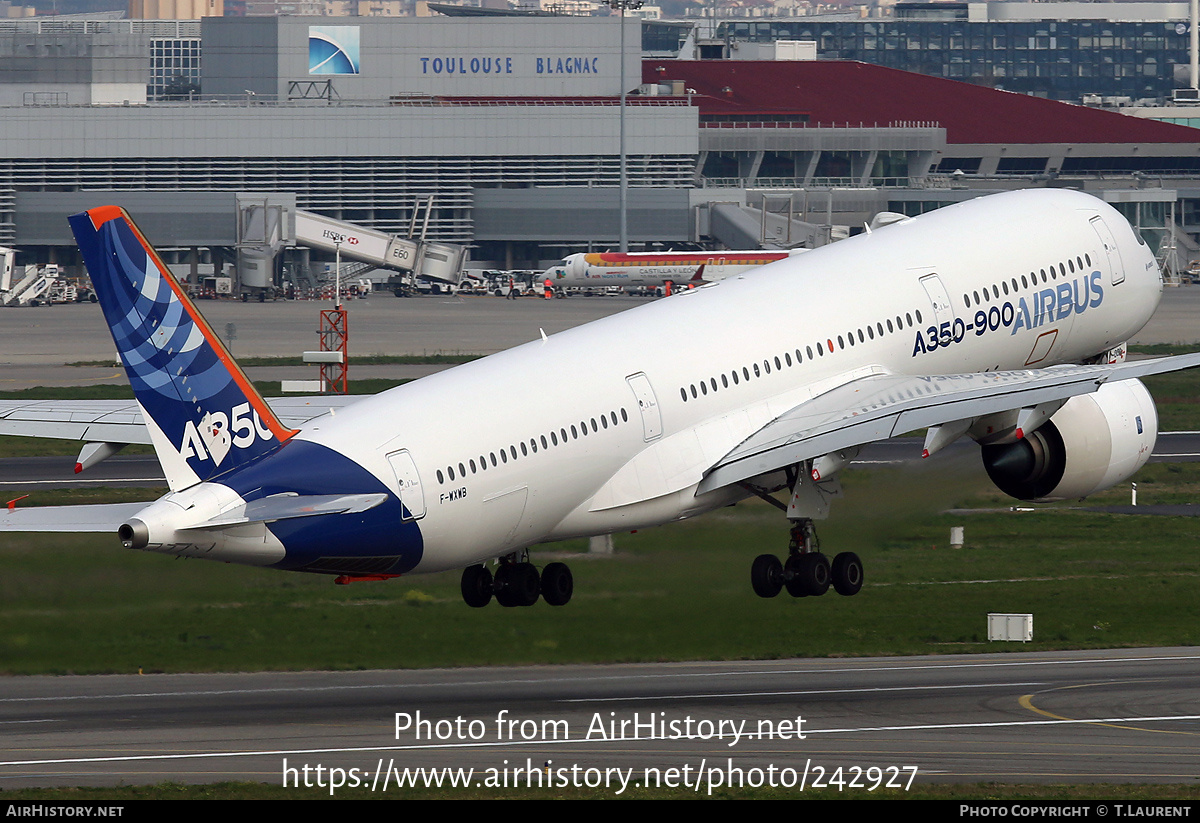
<point x="204" y="415"/>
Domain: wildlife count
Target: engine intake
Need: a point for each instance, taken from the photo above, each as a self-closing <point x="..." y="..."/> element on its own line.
<point x="1094" y="441"/>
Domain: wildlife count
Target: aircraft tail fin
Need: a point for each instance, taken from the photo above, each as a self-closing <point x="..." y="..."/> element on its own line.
<point x="204" y="415"/>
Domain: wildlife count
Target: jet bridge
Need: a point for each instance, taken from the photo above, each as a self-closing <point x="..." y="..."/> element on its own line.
<point x="435" y="261"/>
<point x="266" y="227"/>
<point x="33" y="283"/>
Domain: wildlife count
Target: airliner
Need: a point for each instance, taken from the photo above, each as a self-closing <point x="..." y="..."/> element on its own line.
<point x="1001" y="319"/>
<point x="652" y="269"/>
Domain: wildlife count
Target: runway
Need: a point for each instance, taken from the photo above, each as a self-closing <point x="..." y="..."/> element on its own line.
<point x="31" y="474"/>
<point x="1131" y="715"/>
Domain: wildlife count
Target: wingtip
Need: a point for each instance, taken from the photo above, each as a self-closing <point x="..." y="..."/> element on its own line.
<point x="78" y="468"/>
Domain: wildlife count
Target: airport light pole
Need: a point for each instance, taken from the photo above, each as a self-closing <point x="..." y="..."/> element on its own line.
<point x="622" y="5"/>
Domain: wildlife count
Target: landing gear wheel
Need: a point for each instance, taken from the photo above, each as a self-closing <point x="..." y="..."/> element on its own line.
<point x="766" y="575"/>
<point x="791" y="577"/>
<point x="476" y="586"/>
<point x="812" y="573"/>
<point x="557" y="584"/>
<point x="517" y="584"/>
<point x="847" y="574"/>
<point x="817" y="573"/>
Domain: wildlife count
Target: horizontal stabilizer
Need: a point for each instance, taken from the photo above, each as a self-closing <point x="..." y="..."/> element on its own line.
<point x="95" y="518"/>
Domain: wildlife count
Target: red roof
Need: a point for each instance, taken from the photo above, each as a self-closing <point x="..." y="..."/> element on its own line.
<point x="836" y="92"/>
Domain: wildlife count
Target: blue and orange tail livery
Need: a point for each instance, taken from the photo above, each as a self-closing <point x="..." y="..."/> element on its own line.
<point x="205" y="417"/>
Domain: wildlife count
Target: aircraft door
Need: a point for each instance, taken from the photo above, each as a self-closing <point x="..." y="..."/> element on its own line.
<point x="408" y="484"/>
<point x="647" y="404"/>
<point x="940" y="298"/>
<point x="1110" y="249"/>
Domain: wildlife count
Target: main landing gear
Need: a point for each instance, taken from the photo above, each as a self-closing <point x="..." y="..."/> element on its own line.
<point x="517" y="583"/>
<point x="807" y="572"/>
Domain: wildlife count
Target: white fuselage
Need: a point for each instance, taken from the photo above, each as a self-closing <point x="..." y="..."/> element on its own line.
<point x="665" y="390"/>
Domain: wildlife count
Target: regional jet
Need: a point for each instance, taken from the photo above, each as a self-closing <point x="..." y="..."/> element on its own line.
<point x="654" y="269"/>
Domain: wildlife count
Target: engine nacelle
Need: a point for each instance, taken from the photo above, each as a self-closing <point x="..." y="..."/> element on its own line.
<point x="1092" y="442"/>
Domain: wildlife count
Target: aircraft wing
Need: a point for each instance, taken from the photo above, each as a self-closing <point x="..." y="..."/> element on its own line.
<point x="882" y="406"/>
<point x="120" y="421"/>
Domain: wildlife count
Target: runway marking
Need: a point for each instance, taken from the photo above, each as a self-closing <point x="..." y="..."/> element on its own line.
<point x="1153" y="575"/>
<point x="1026" y="702"/>
<point x="64" y="384"/>
<point x="573" y="741"/>
<point x="19" y="722"/>
<point x="793" y="693"/>
<point x="593" y="679"/>
<point x="17" y="483"/>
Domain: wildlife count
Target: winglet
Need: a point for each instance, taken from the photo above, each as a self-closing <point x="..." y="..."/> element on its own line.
<point x="204" y="415"/>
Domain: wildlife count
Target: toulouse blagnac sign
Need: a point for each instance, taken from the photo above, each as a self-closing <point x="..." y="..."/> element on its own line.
<point x="561" y="64"/>
<point x="336" y="50"/>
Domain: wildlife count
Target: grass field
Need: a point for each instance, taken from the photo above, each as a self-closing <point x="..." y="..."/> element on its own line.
<point x="81" y="604"/>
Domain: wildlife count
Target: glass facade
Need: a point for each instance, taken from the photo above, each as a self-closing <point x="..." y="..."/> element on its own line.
<point x="1059" y="59"/>
<point x="174" y="69"/>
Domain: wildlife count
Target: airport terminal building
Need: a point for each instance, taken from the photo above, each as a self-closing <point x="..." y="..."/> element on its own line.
<point x="510" y="106"/>
<point x="513" y="127"/>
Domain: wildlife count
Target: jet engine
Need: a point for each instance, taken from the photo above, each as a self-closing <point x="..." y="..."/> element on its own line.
<point x="1092" y="442"/>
